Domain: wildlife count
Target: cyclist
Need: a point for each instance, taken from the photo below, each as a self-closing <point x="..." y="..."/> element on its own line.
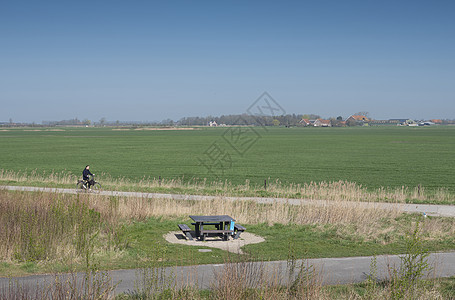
<point x="86" y="178"/>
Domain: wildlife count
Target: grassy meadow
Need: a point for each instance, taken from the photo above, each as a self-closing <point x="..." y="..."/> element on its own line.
<point x="372" y="158"/>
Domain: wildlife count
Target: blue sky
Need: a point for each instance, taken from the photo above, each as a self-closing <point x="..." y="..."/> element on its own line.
<point x="146" y="61"/>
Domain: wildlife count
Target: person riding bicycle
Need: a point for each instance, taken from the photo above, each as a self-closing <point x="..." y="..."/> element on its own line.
<point x="86" y="178"/>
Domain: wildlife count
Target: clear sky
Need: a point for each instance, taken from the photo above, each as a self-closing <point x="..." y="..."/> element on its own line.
<point x="153" y="60"/>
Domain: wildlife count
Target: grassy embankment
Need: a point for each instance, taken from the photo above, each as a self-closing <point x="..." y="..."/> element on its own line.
<point x="54" y="232"/>
<point x="45" y="232"/>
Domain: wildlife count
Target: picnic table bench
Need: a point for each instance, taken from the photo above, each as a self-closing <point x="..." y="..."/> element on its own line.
<point x="224" y="233"/>
<point x="224" y="224"/>
<point x="238" y="230"/>
<point x="186" y="230"/>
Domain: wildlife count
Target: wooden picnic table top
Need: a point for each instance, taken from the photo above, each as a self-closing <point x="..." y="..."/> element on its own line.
<point x="212" y="219"/>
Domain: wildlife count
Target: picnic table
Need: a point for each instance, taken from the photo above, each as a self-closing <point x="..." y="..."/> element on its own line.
<point x="224" y="225"/>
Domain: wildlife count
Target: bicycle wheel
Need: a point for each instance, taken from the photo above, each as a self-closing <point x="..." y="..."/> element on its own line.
<point x="96" y="186"/>
<point x="80" y="185"/>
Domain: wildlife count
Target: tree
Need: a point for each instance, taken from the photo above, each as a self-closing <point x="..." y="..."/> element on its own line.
<point x="276" y="122"/>
<point x="102" y="121"/>
<point x="167" y="122"/>
<point x="311" y="116"/>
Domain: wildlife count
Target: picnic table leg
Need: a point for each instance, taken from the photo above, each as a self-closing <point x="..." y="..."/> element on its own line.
<point x="220" y="227"/>
<point x="201" y="236"/>
<point x="226" y="227"/>
<point x="197" y="230"/>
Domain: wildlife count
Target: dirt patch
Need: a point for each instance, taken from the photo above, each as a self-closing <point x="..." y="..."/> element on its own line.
<point x="234" y="246"/>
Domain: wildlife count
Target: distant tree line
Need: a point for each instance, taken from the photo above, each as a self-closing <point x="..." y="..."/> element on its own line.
<point x="245" y="119"/>
<point x="69" y="122"/>
<point x="228" y="120"/>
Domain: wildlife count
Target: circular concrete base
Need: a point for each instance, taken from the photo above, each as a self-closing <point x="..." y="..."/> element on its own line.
<point x="177" y="237"/>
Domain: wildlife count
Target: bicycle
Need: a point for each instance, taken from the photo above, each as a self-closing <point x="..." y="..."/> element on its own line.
<point x="88" y="185"/>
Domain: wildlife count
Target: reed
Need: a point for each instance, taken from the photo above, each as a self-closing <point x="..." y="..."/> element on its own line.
<point x="43" y="226"/>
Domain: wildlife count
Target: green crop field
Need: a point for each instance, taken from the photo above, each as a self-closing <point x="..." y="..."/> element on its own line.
<point x="373" y="157"/>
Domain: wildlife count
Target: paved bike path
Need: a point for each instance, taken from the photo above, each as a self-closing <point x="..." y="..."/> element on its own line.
<point x="330" y="271"/>
<point x="429" y="209"/>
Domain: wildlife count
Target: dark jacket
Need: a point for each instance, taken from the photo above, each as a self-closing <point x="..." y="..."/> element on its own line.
<point x="85" y="174"/>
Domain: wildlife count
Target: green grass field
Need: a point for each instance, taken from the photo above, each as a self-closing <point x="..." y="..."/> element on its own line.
<point x="373" y="157"/>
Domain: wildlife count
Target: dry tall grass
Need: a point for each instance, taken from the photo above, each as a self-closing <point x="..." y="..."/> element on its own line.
<point x="257" y="280"/>
<point x="35" y="176"/>
<point x="252" y="212"/>
<point x="367" y="220"/>
<point x="45" y="226"/>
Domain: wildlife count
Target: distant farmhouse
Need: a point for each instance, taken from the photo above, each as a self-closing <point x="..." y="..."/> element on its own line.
<point x="403" y="122"/>
<point x="342" y="124"/>
<point x="354" y="120"/>
<point x="426" y="123"/>
<point x="322" y="123"/>
<point x="305" y="122"/>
